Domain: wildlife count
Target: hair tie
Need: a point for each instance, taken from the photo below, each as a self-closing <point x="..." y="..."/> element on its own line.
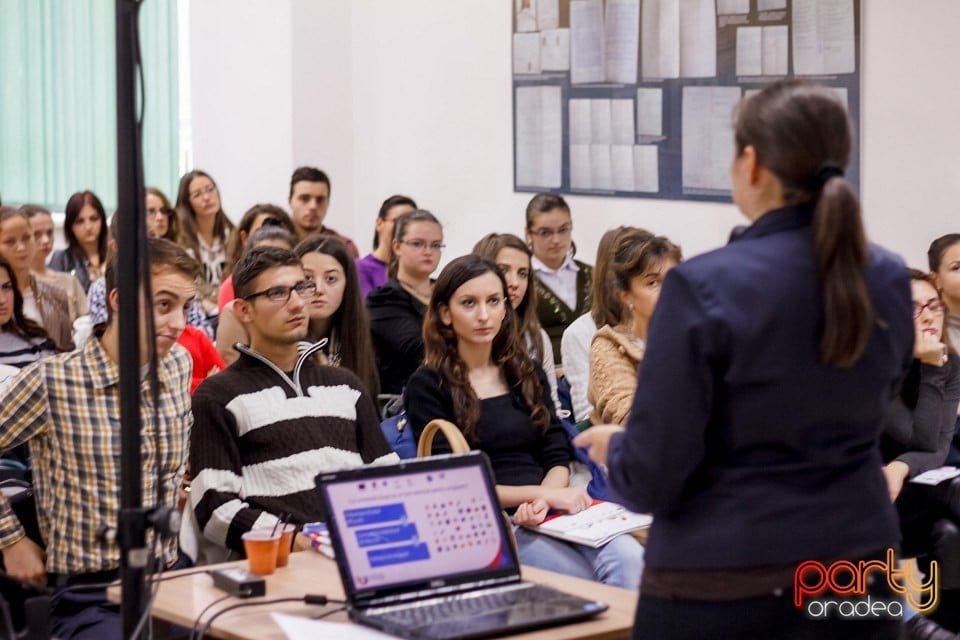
<point x="826" y="171"/>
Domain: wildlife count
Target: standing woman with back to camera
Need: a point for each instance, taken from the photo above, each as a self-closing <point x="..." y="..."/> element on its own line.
<point x="768" y="369"/>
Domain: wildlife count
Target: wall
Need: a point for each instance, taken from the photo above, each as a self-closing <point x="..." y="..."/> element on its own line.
<point x="414" y="97"/>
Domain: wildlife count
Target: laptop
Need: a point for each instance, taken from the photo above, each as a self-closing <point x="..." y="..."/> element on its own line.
<point x="424" y="552"/>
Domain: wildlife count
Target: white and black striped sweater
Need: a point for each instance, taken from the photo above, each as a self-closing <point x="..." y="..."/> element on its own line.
<point x="260" y="437"/>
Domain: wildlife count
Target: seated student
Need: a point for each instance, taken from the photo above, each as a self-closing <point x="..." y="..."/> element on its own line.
<point x="397" y="308"/>
<point x="916" y="437"/>
<point x="639" y="264"/>
<point x="44" y="303"/>
<point x="309" y="200"/>
<point x="41" y="222"/>
<point x="513" y="257"/>
<point x="67" y="408"/>
<point x="162" y="220"/>
<point x="22" y="341"/>
<point x="85" y="230"/>
<point x="943" y="257"/>
<point x="337" y="313"/>
<point x="229" y="329"/>
<point x="605" y="308"/>
<point x="274" y="419"/>
<point x="478" y="375"/>
<point x="373" y="267"/>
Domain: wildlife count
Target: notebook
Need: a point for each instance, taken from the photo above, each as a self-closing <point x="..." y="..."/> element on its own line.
<point x="423" y="551"/>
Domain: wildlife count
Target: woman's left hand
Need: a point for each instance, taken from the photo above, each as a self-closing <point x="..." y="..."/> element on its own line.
<point x="531" y="513"/>
<point x="597" y="440"/>
<point x="896" y="473"/>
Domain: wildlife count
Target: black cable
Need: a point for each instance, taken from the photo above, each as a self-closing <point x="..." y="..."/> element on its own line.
<point x="329" y="613"/>
<point x="145" y="615"/>
<point x="196" y="623"/>
<point x="309" y="599"/>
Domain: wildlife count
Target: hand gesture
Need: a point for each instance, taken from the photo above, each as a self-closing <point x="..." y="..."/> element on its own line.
<point x="531" y="513"/>
<point x="597" y="439"/>
<point x="570" y="499"/>
<point x="928" y="348"/>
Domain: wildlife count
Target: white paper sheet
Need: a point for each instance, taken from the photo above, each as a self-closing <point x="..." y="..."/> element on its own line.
<point x="555" y="50"/>
<point x="749" y="51"/>
<point x="776" y="42"/>
<point x="586" y="41"/>
<point x="526" y="53"/>
<point x="771" y="5"/>
<point x="539" y="136"/>
<point x="601" y="122"/>
<point x="707" y="133"/>
<point x="601" y="171"/>
<point x="621" y="41"/>
<point x="526" y="12"/>
<point x="580" y="167"/>
<point x="548" y="14"/>
<point x="580" y="127"/>
<point x="646" y="168"/>
<point x="936" y="476"/>
<point x="727" y="7"/>
<point x="621" y="159"/>
<point x="649" y="112"/>
<point x="298" y="628"/>
<point x="621" y="118"/>
<point x="698" y="39"/>
<point x="823" y="37"/>
<point x="660" y="41"/>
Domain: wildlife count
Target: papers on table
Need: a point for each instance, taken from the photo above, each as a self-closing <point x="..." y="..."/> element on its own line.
<point x="538" y="143"/>
<point x="706" y="120"/>
<point x="300" y="628"/>
<point x="936" y="476"/>
<point x="679" y="39"/>
<point x="823" y="37"/>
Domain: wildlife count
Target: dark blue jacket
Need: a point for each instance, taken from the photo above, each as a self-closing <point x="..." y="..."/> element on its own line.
<point x="745" y="447"/>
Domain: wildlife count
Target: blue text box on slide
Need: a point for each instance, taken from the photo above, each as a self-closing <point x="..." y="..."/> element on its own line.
<point x="387" y="535"/>
<point x="375" y="515"/>
<point x="398" y="555"/>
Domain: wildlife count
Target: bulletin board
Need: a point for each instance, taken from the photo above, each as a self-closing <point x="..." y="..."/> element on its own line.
<point x="635" y="98"/>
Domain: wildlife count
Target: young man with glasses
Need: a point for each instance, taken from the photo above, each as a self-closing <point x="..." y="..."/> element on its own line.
<point x="268" y="424"/>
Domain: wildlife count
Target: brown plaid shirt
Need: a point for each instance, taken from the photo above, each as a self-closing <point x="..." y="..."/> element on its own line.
<point x="68" y="408"/>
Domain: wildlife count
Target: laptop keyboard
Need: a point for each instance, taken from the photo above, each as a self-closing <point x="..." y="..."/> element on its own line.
<point x="462" y="611"/>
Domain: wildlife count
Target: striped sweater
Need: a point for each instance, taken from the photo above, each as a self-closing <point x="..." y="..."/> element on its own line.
<point x="260" y="437"/>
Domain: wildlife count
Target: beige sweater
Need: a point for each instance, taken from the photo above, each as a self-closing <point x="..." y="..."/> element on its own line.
<point x="614" y="357"/>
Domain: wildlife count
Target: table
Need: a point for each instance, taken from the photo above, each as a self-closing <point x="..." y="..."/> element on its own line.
<point x="180" y="600"/>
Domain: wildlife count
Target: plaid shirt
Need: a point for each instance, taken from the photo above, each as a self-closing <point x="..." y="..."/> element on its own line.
<point x="68" y="408"/>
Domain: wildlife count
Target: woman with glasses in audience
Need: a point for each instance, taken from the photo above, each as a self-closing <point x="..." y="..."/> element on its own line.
<point x="162" y="220"/>
<point x="563" y="284"/>
<point x="337" y="313"/>
<point x="85" y="230"/>
<point x="639" y="264"/>
<point x="397" y="308"/>
<point x="205" y="230"/>
<point x="479" y="376"/>
<point x="256" y="216"/>
<point x="373" y="268"/>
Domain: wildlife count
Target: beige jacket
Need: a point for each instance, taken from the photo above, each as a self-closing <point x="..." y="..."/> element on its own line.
<point x="614" y="357"/>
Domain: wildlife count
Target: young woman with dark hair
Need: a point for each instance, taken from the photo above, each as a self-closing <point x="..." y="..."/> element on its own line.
<point x="85" y="230"/>
<point x="373" y="267"/>
<point x="162" y="219"/>
<point x="479" y="376"/>
<point x="41" y="223"/>
<point x="337" y="312"/>
<point x="767" y="374"/>
<point x="397" y="308"/>
<point x="22" y="340"/>
<point x="255" y="217"/>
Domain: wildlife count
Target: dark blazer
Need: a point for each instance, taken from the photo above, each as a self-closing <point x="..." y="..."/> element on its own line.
<point x="746" y="448"/>
<point x="65" y="260"/>
<point x="396" y="324"/>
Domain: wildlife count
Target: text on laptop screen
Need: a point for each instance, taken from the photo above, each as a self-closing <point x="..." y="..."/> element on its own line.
<point x="417" y="526"/>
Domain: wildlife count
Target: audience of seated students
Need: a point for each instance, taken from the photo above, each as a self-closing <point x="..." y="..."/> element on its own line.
<point x="337" y="312"/>
<point x="309" y="200"/>
<point x="162" y="218"/>
<point x="255" y="217"/>
<point x="85" y="230"/>
<point x="204" y="231"/>
<point x="22" y="341"/>
<point x="639" y="264"/>
<point x="41" y="222"/>
<point x="397" y="308"/>
<point x="512" y="256"/>
<point x="478" y="376"/>
<point x="44" y="303"/>
<point x="373" y="267"/>
<point x="265" y="426"/>
<point x="943" y="258"/>
<point x="230" y="330"/>
<point x="605" y="309"/>
<point x="916" y="438"/>
<point x="563" y="284"/>
<point x="66" y="407"/>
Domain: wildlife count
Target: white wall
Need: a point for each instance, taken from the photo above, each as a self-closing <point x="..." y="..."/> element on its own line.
<point x="415" y="97"/>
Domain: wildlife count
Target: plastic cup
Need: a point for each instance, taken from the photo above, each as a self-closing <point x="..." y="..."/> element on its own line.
<point x="261" y="547"/>
<point x="286" y="542"/>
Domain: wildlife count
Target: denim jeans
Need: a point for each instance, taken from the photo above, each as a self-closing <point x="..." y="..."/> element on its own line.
<point x="618" y="563"/>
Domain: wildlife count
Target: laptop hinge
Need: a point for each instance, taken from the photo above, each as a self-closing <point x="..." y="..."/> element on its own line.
<point x="437" y="592"/>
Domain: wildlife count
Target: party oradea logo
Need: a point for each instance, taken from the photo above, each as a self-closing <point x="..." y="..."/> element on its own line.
<point x="840" y="589"/>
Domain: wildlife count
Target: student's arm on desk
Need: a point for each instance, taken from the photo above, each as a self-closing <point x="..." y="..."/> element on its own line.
<point x="24" y="414"/>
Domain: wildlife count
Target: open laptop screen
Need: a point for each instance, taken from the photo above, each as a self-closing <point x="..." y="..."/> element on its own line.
<point x="434" y="522"/>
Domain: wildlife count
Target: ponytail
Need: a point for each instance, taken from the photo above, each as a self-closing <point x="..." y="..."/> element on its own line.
<point x="841" y="251"/>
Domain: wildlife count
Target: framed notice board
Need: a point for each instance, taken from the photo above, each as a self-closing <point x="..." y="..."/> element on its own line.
<point x="634" y="98"/>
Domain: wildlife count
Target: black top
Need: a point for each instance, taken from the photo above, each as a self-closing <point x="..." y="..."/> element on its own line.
<point x="519" y="454"/>
<point x="396" y="322"/>
<point x="748" y="450"/>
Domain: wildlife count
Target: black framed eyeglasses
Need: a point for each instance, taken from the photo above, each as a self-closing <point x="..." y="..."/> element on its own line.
<point x="935" y="306"/>
<point x="306" y="289"/>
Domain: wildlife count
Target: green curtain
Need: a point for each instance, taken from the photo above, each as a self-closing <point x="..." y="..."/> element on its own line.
<point x="58" y="99"/>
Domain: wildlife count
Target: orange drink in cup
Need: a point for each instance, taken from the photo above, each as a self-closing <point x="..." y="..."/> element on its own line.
<point x="286" y="541"/>
<point x="261" y="547"/>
